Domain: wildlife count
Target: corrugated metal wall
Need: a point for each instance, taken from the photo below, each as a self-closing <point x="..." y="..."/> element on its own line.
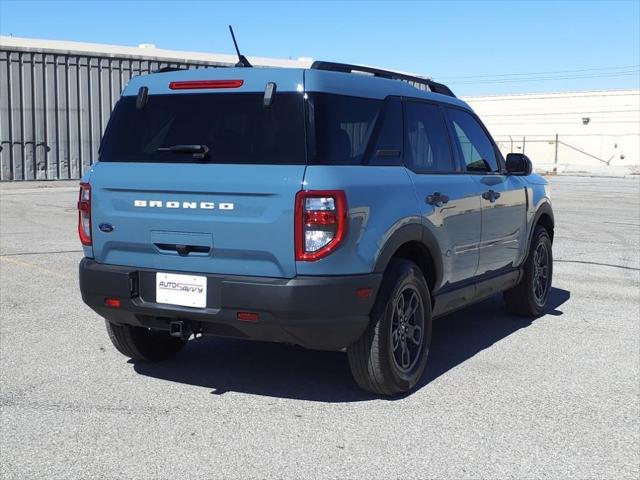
<point x="54" y="108"/>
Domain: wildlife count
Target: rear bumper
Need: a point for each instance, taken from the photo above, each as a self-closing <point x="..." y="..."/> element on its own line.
<point x="315" y="312"/>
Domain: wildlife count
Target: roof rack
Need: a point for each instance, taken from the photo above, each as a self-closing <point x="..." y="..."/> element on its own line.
<point x="418" y="82"/>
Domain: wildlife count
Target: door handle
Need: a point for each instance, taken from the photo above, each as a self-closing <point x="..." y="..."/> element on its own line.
<point x="183" y="250"/>
<point x="436" y="199"/>
<point x="491" y="195"/>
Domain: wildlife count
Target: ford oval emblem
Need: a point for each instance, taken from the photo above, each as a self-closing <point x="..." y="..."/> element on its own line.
<point x="106" y="227"/>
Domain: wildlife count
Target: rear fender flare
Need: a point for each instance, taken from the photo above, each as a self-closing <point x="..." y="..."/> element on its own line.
<point x="413" y="232"/>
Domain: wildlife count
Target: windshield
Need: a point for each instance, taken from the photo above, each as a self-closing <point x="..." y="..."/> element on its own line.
<point x="234" y="128"/>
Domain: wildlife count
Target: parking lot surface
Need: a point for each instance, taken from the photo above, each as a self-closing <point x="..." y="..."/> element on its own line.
<point x="554" y="397"/>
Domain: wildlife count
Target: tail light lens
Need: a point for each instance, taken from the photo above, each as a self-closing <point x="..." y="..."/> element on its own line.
<point x="84" y="214"/>
<point x="320" y="223"/>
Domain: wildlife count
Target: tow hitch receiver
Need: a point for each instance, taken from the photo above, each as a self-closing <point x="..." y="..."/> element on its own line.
<point x="179" y="329"/>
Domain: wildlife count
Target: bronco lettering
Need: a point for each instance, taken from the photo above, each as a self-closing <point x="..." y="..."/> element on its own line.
<point x="188" y="204"/>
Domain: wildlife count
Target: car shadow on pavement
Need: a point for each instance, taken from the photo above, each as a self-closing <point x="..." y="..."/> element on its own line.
<point x="284" y="371"/>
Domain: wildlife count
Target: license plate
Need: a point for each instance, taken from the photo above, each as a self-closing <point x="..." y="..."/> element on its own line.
<point x="184" y="290"/>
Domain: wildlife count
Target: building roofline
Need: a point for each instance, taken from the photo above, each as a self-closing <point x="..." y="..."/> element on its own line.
<point x="143" y="52"/>
<point x="149" y="52"/>
<point x="576" y="93"/>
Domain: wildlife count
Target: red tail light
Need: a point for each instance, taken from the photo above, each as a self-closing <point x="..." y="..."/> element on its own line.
<point x="84" y="214"/>
<point x="198" y="84"/>
<point x="320" y="223"/>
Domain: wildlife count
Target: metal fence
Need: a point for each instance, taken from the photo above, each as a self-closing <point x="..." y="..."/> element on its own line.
<point x="54" y="107"/>
<point x="566" y="150"/>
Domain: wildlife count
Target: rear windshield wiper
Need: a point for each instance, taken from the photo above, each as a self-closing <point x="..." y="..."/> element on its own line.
<point x="199" y="151"/>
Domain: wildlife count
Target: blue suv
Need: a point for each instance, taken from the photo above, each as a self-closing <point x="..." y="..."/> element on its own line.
<point x="335" y="207"/>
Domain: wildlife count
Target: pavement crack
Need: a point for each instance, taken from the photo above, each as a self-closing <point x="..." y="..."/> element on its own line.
<point x="623" y="223"/>
<point x="78" y="407"/>
<point x="22" y="263"/>
<point x="584" y="262"/>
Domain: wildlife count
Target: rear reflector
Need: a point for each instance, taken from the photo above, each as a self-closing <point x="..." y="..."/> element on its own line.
<point x="112" y="302"/>
<point x="364" y="292"/>
<point x="199" y="84"/>
<point x="248" y="316"/>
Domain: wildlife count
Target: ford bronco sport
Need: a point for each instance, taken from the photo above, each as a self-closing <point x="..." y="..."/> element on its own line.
<point x="321" y="207"/>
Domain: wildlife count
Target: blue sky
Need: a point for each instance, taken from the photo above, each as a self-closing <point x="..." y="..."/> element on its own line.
<point x="476" y="47"/>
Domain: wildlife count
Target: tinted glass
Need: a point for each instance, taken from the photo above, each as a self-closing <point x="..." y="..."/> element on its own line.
<point x="473" y="144"/>
<point x="427" y="145"/>
<point x="234" y="126"/>
<point x="388" y="147"/>
<point x="343" y="127"/>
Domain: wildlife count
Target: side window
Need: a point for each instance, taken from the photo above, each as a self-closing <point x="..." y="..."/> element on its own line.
<point x="388" y="146"/>
<point x="427" y="141"/>
<point x="474" y="146"/>
<point x="343" y="127"/>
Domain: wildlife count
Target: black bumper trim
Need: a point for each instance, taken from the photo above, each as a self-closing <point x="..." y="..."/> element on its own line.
<point x="312" y="311"/>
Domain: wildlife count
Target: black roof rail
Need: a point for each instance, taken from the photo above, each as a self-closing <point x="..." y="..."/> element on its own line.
<point x="419" y="83"/>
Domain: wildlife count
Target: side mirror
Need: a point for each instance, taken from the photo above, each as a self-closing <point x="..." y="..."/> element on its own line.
<point x="519" y="164"/>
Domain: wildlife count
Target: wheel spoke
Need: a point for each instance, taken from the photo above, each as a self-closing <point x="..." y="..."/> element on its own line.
<point x="395" y="340"/>
<point x="542" y="257"/>
<point x="415" y="334"/>
<point x="400" y="306"/>
<point x="413" y="305"/>
<point x="540" y="289"/>
<point x="405" y="361"/>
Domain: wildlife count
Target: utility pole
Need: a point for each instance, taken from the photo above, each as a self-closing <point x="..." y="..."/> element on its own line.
<point x="555" y="161"/>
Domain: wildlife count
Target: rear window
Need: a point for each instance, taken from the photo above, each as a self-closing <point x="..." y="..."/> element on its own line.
<point x="344" y="126"/>
<point x="235" y="127"/>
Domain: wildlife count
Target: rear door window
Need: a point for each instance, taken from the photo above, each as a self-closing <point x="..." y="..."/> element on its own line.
<point x="474" y="145"/>
<point x="427" y="141"/>
<point x="235" y="127"/>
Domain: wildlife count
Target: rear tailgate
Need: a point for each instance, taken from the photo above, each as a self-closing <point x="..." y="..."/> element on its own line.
<point x="242" y="213"/>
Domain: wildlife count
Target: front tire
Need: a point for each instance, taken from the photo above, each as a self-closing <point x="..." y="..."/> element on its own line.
<point x="139" y="343"/>
<point x="529" y="298"/>
<point x="391" y="355"/>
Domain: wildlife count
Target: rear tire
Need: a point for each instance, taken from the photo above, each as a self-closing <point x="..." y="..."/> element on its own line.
<point x="390" y="357"/>
<point x="529" y="298"/>
<point x="139" y="343"/>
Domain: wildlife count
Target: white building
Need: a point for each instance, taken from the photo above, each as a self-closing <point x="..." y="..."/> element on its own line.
<point x="597" y="131"/>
